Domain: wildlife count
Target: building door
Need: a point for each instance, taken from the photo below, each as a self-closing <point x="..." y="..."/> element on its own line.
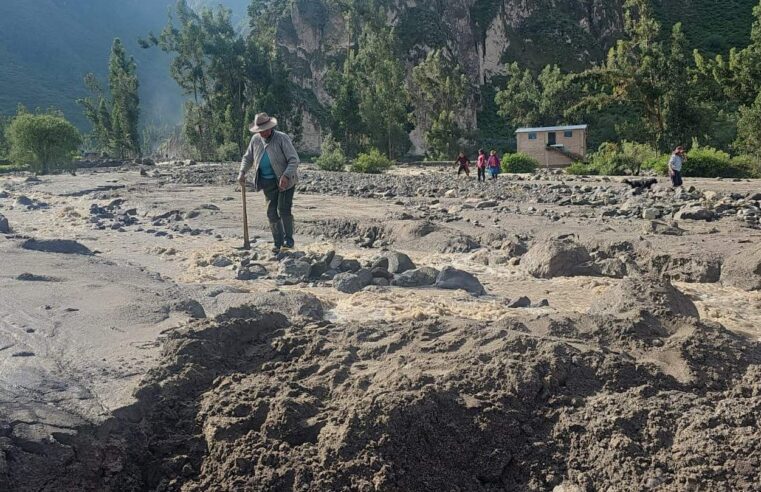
<point x="551" y="138"/>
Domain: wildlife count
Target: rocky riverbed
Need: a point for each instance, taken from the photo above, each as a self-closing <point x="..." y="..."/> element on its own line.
<point x="429" y="332"/>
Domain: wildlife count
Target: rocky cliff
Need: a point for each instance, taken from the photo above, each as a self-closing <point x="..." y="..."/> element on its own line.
<point x="482" y="35"/>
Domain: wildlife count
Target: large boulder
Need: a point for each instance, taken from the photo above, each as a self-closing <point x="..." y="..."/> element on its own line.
<point x="454" y="279"/>
<point x="637" y="295"/>
<point x="419" y="277"/>
<point x="695" y="213"/>
<point x="743" y="270"/>
<point x="348" y="283"/>
<point x="558" y="258"/>
<point x="399" y="262"/>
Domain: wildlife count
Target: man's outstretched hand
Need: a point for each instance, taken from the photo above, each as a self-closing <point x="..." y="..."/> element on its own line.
<point x="242" y="179"/>
<point x="283" y="183"/>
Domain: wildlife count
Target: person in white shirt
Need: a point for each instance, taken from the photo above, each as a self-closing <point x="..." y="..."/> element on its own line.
<point x="676" y="161"/>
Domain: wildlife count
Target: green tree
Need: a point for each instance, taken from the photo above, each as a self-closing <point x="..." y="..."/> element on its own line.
<point x="438" y="92"/>
<point x="4" y="145"/>
<point x="125" y="102"/>
<point x="527" y="100"/>
<point x="383" y="98"/>
<point x="749" y="128"/>
<point x="44" y="142"/>
<point x="346" y="122"/>
<point x="229" y="77"/>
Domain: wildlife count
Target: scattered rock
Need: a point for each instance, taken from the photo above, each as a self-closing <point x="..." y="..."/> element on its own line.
<point x="221" y="261"/>
<point x="252" y="271"/>
<point x="743" y="270"/>
<point x="521" y="302"/>
<point x="453" y="279"/>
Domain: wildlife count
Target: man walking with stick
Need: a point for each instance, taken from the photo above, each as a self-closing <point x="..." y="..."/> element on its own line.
<point x="275" y="163"/>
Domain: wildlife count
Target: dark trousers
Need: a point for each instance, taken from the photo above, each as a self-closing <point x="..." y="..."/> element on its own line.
<point x="482" y="174"/>
<point x="462" y="168"/>
<point x="676" y="178"/>
<point x="279" y="204"/>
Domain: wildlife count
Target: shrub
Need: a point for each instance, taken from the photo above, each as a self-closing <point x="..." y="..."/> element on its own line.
<point x="749" y="165"/>
<point x="228" y="151"/>
<point x="706" y="162"/>
<point x="371" y="163"/>
<point x="581" y="169"/>
<point x="332" y="157"/>
<point x="43" y="142"/>
<point x="519" y="163"/>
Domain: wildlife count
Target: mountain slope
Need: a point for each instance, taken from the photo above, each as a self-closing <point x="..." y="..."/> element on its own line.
<point x="47" y="46"/>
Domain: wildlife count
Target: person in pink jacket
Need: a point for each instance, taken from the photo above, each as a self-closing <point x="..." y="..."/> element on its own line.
<point x="493" y="164"/>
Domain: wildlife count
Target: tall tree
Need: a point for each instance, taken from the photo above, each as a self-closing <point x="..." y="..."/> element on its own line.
<point x="527" y="100"/>
<point x="383" y="97"/>
<point x="125" y="101"/>
<point x="229" y="77"/>
<point x="438" y="92"/>
<point x="114" y="116"/>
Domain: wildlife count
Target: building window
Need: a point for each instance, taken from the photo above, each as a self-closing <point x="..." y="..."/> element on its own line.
<point x="532" y="136"/>
<point x="568" y="134"/>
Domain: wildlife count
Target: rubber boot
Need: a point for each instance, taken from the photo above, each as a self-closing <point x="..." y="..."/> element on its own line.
<point x="287" y="222"/>
<point x="277" y="233"/>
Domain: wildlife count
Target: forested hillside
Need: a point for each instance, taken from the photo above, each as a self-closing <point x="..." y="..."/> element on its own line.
<point x="324" y="47"/>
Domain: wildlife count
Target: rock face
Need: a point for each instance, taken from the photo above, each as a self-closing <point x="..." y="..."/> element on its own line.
<point x="5" y="228"/>
<point x="743" y="270"/>
<point x="481" y="34"/>
<point x="644" y="294"/>
<point x="557" y="258"/>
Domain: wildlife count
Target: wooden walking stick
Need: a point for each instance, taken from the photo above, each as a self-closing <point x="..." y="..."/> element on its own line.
<point x="246" y="243"/>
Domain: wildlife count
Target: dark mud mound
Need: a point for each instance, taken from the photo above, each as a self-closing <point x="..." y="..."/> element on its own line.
<point x="62" y="246"/>
<point x="263" y="404"/>
<point x="637" y="295"/>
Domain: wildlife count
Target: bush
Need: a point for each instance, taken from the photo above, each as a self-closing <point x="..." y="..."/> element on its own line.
<point x="228" y="152"/>
<point x="581" y="169"/>
<point x="749" y="165"/>
<point x="43" y="142"/>
<point x="705" y="162"/>
<point x="332" y="157"/>
<point x="519" y="163"/>
<point x="371" y="163"/>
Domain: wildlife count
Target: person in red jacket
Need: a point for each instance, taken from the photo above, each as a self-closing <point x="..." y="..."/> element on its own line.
<point x="463" y="164"/>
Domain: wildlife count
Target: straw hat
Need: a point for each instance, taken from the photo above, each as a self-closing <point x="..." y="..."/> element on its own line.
<point x="262" y="122"/>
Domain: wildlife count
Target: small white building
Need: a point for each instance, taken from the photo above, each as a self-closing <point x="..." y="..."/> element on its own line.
<point x="554" y="146"/>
